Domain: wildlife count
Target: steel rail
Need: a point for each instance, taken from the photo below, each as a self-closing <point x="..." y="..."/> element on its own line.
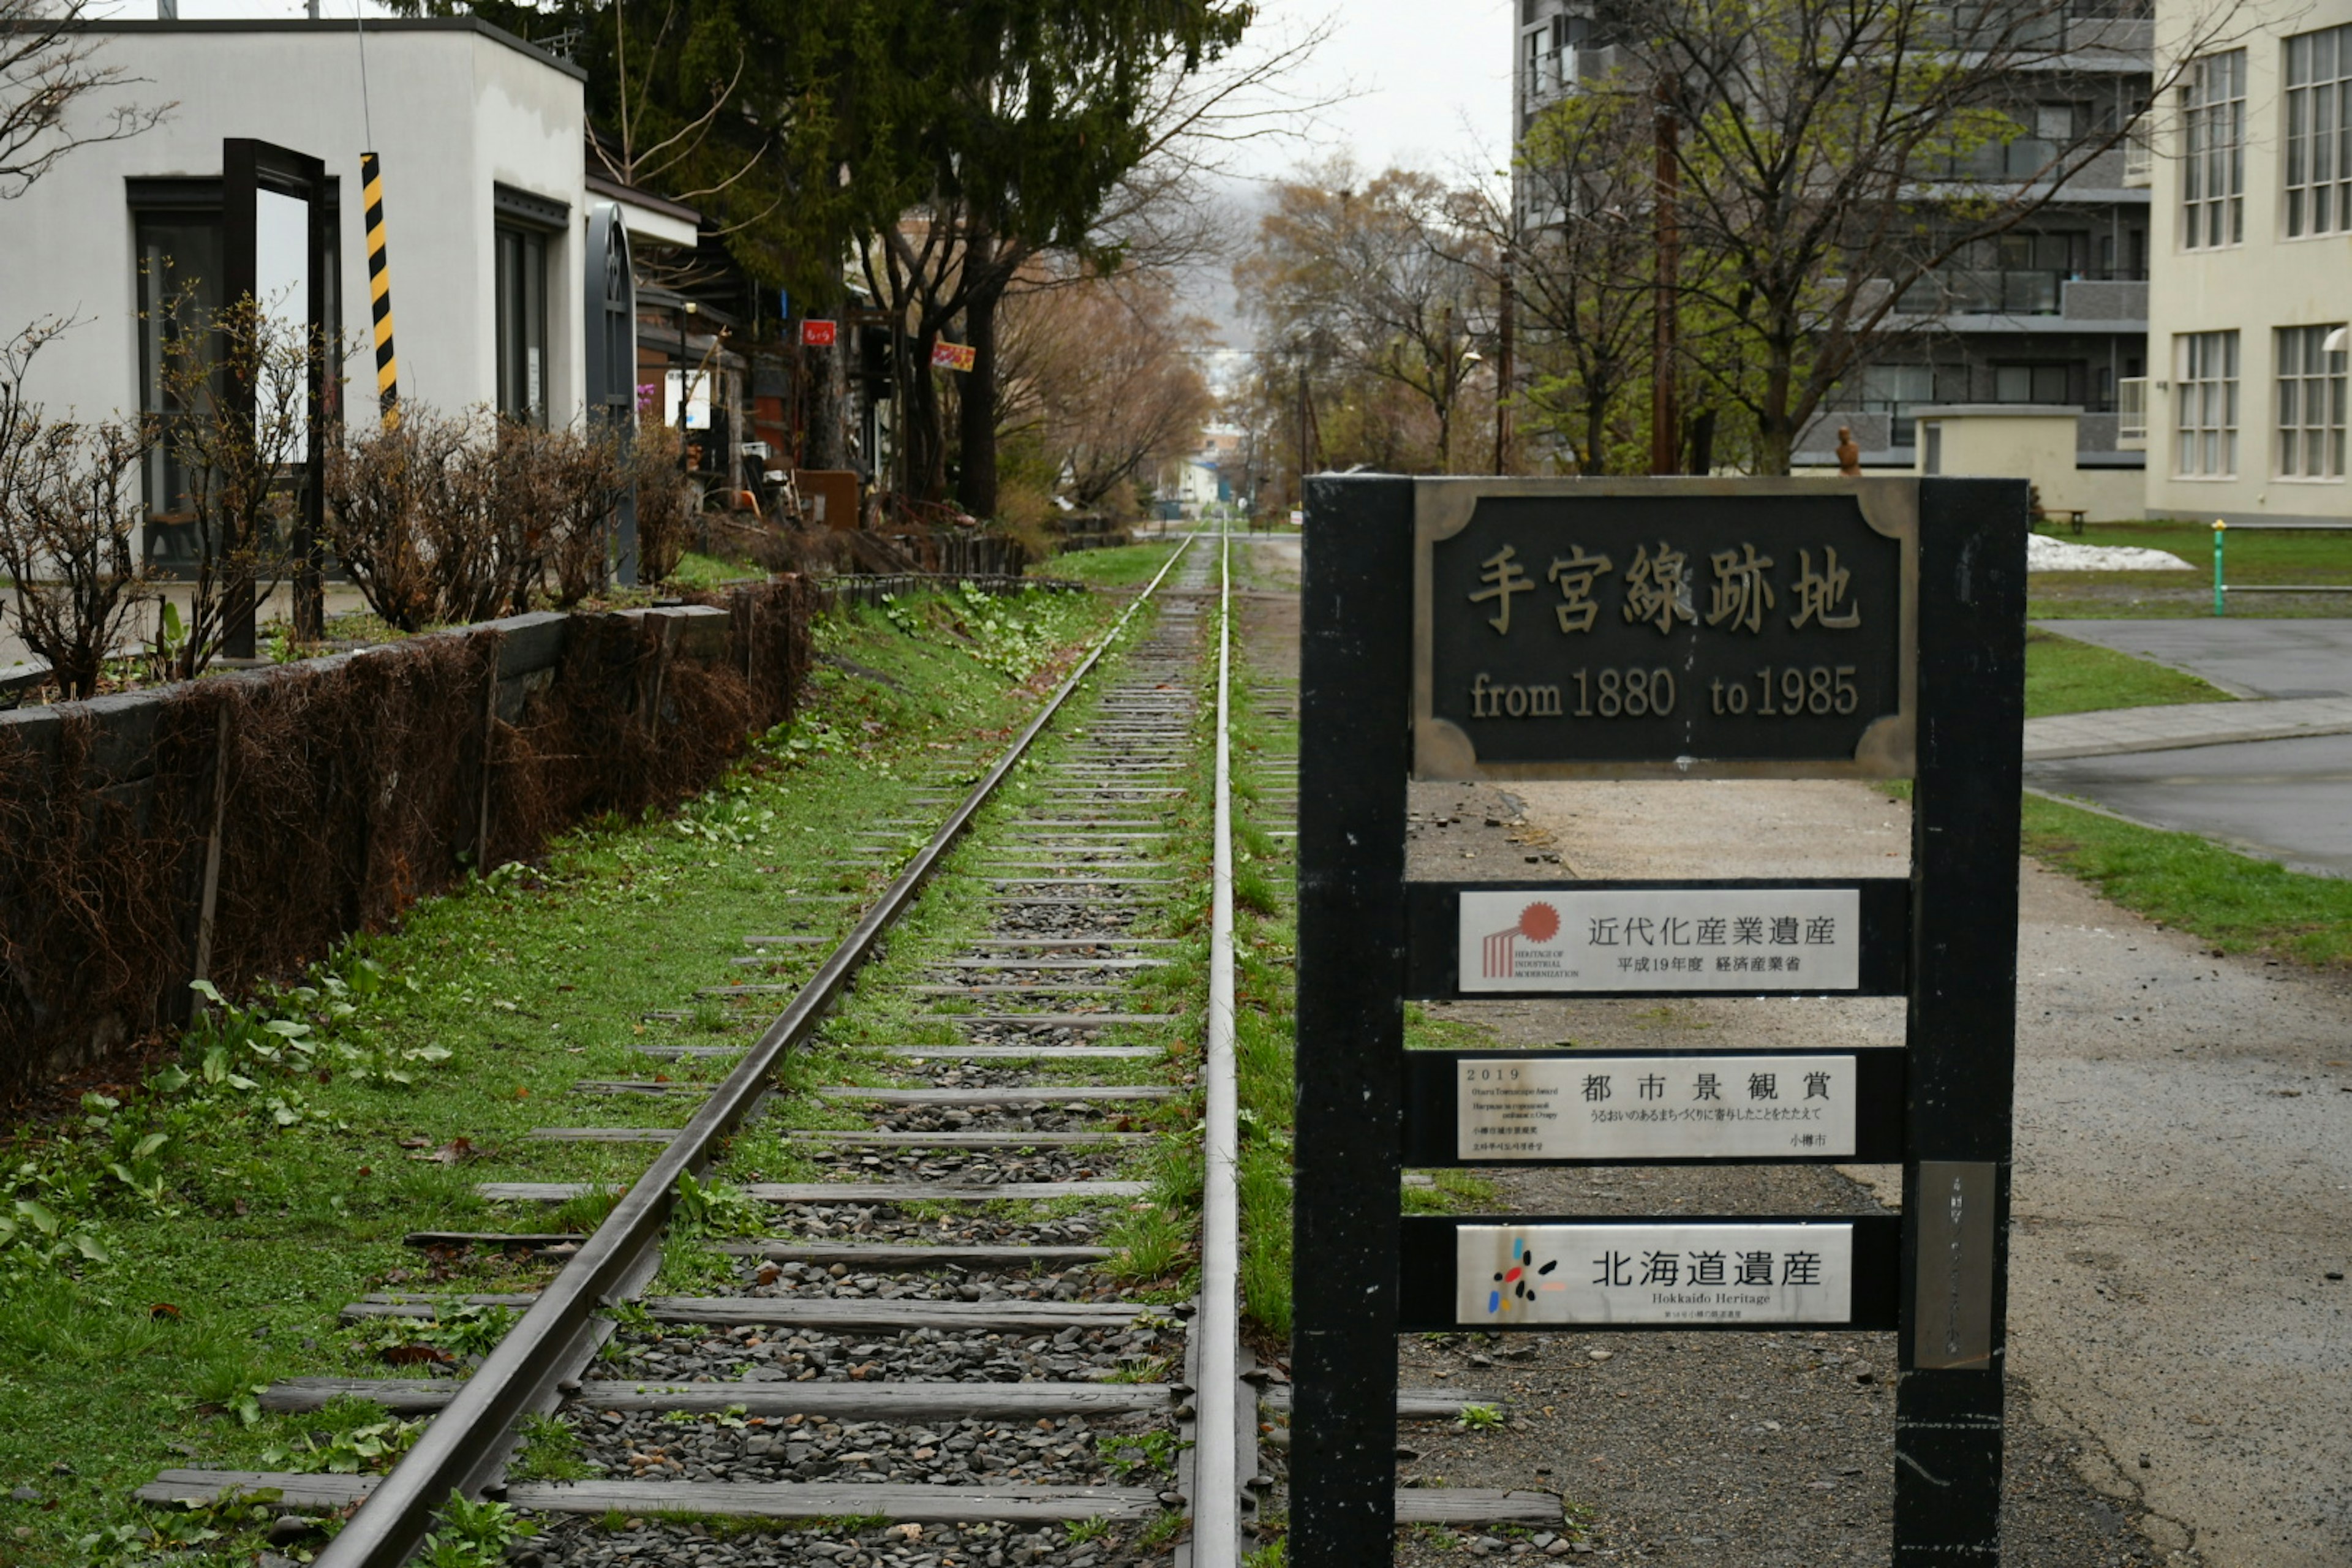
<point x="1216" y="1500"/>
<point x="467" y="1444"/>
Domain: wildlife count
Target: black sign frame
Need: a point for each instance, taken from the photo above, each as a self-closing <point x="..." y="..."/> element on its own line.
<point x="1361" y="690"/>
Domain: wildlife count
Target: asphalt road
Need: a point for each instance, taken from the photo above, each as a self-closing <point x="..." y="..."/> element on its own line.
<point x="2285" y="799"/>
<point x="2289" y="801"/>
<point x="2244" y="658"/>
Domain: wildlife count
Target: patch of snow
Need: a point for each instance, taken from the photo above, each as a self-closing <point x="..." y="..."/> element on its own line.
<point x="2043" y="554"/>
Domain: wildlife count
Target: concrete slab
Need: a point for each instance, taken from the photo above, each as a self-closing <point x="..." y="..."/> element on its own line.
<point x="2245" y="658"/>
<point x="2289" y="801"/>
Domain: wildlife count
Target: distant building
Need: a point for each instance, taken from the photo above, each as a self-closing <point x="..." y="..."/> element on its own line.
<point x="2053" y="313"/>
<point x="2253" y="285"/>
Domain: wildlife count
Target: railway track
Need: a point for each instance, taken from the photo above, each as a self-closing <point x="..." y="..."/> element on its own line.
<point x="919" y="1356"/>
<point x="947" y="1334"/>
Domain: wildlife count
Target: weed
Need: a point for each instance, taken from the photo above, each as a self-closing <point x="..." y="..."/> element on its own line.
<point x="1085" y="1530"/>
<point x="715" y="1208"/>
<point x="1164" y="1527"/>
<point x="1273" y="1554"/>
<point x="1124" y="1453"/>
<point x="550" y="1451"/>
<point x="1480" y="1418"/>
<point x="348" y="1446"/>
<point x="478" y="1534"/>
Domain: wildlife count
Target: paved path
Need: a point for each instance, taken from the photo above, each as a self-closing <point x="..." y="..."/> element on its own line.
<point x="2244" y="657"/>
<point x="2112" y="731"/>
<point x="2184" y="1162"/>
<point x="2289" y="801"/>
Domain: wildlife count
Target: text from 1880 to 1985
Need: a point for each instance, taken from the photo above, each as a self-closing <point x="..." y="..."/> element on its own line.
<point x="1631" y="627"/>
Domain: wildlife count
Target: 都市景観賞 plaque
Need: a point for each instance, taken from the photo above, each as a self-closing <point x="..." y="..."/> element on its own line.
<point x="1716" y="1107"/>
<point x="1616" y="632"/>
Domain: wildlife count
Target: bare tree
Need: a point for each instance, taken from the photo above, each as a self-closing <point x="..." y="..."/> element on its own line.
<point x="1835" y="153"/>
<point x="69" y="510"/>
<point x="1099" y="381"/>
<point x="1576" y="248"/>
<point x="50" y="68"/>
<point x="1386" y="272"/>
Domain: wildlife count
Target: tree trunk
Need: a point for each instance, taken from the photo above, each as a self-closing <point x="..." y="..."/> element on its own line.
<point x="923" y="430"/>
<point x="823" y="445"/>
<point x="976" y="480"/>
<point x="1776" y="433"/>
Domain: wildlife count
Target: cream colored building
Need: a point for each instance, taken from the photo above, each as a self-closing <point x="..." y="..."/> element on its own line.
<point x="2251" y="279"/>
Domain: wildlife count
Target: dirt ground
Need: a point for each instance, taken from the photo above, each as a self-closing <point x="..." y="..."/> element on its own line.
<point x="2183" y="1195"/>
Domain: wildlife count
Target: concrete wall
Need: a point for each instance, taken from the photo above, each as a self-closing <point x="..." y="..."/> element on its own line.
<point x="2033" y="442"/>
<point x="2266" y="282"/>
<point x="456" y="108"/>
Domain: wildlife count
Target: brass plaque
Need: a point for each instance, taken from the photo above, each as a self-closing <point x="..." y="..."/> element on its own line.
<point x="1629" y="628"/>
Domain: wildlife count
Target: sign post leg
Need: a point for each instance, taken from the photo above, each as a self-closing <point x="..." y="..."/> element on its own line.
<point x="1355" y="675"/>
<point x="1962" y="1033"/>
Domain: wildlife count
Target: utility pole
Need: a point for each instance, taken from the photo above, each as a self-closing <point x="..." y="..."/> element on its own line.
<point x="1665" y="421"/>
<point x="1504" y="331"/>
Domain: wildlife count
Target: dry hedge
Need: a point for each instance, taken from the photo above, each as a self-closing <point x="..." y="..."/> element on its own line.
<point x="353" y="786"/>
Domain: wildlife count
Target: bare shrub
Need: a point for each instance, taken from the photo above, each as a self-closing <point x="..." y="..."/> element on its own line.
<point x="237" y="387"/>
<point x="665" y="508"/>
<point x="580" y="475"/>
<point x="70" y="502"/>
<point x="395" y="504"/>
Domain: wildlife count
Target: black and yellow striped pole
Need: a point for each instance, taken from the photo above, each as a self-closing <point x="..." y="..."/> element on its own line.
<point x="387" y="365"/>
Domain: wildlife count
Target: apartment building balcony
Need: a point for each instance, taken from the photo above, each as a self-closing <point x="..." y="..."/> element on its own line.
<point x="2026" y="300"/>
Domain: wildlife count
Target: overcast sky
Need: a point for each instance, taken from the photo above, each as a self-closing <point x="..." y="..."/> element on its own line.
<point x="1431" y="82"/>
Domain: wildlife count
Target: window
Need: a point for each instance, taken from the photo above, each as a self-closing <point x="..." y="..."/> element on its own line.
<point x="2310" y="405"/>
<point x="178" y="229"/>
<point x="179" y="290"/>
<point x="522" y="324"/>
<point x="2213" y="162"/>
<point x="2318" y="132"/>
<point x="1896" y="390"/>
<point x="2205" y="393"/>
<point x="2031" y="383"/>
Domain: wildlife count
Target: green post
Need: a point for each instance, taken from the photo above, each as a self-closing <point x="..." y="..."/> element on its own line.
<point x="2219" y="528"/>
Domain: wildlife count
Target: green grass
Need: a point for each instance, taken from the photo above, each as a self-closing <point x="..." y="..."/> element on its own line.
<point x="2253" y="557"/>
<point x="2064" y="675"/>
<point x="229" y="1247"/>
<point x="2236" y="902"/>
<point x="1265" y="954"/>
<point x="699" y="571"/>
<point x="1123" y="566"/>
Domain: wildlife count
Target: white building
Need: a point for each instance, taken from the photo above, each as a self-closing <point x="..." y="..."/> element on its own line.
<point x="486" y="205"/>
<point x="2252" y="274"/>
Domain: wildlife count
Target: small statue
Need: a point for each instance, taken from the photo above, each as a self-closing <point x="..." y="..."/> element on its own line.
<point x="1849" y="456"/>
